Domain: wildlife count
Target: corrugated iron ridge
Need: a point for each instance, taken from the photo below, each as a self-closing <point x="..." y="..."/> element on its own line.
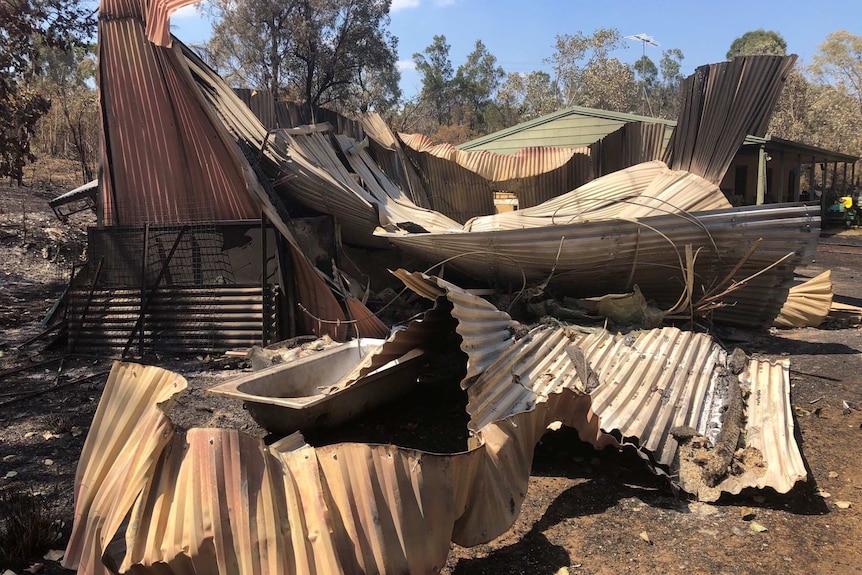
<point x="808" y="303"/>
<point x="608" y="257"/>
<point x="218" y="501"/>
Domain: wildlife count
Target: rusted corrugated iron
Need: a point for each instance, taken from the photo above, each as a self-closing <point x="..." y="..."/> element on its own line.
<point x="634" y="143"/>
<point x="164" y="161"/>
<point x="210" y="318"/>
<point x="808" y="303"/>
<point x="722" y="104"/>
<point x="223" y="502"/>
<point x="217" y="501"/>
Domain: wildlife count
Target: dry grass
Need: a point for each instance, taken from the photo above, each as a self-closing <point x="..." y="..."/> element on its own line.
<point x="26" y="527"/>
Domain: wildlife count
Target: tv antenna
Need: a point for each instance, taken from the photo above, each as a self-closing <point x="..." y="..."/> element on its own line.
<point x="644" y="39"/>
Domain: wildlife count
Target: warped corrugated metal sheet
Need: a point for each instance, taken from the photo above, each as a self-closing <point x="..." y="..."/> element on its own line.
<point x="151" y="118"/>
<point x="807" y="303"/>
<point x="394" y="206"/>
<point x="597" y="258"/>
<point x="642" y="190"/>
<point x="533" y="174"/>
<point x="452" y="189"/>
<point x="634" y="143"/>
<point x="223" y="502"/>
<point x="390" y="156"/>
<point x="722" y="104"/>
<point x="644" y="384"/>
<point x="217" y="501"/>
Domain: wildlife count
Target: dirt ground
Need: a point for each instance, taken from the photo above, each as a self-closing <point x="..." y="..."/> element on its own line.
<point x="585" y="512"/>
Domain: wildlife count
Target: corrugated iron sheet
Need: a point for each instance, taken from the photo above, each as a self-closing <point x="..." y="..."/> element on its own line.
<point x="634" y="143"/>
<point x="217" y="501"/>
<point x="807" y="303"/>
<point x="533" y="174"/>
<point x="722" y="103"/>
<point x="164" y="161"/>
<point x="644" y="385"/>
<point x="211" y="318"/>
<point x="642" y="190"/>
<point x="597" y="258"/>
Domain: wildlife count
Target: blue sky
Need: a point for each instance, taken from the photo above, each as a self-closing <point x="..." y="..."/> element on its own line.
<point x="521" y="34"/>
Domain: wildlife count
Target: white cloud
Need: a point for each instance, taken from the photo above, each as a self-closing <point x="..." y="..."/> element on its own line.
<point x="406" y="65"/>
<point x="403" y="4"/>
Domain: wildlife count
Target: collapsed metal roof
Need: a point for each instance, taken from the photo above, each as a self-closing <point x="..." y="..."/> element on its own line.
<point x="216" y="500"/>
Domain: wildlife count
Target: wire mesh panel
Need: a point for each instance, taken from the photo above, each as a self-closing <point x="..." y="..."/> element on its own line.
<point x="176" y="288"/>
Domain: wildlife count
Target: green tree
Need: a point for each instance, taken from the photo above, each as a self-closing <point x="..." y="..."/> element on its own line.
<point x="587" y="75"/>
<point x="318" y="52"/>
<point x="666" y="95"/>
<point x="839" y="62"/>
<point x="757" y="43"/>
<point x="526" y="96"/>
<point x="435" y="66"/>
<point x="476" y="83"/>
<point x="27" y="28"/>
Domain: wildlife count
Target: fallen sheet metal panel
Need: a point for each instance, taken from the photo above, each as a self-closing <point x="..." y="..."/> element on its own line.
<point x="612" y="256"/>
<point x="722" y="104"/>
<point x="218" y="501"/>
<point x="807" y="303"/>
<point x="534" y="174"/>
<point x="164" y="161"/>
<point x="647" y="189"/>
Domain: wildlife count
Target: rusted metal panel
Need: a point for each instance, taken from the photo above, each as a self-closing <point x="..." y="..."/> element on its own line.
<point x="533" y="174"/>
<point x="807" y="303"/>
<point x="178" y="318"/>
<point x="151" y="119"/>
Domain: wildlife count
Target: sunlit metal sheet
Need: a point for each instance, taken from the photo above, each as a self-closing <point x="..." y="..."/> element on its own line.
<point x="597" y="258"/>
<point x="807" y="303"/>
<point x="722" y="103"/>
<point x="218" y="501"/>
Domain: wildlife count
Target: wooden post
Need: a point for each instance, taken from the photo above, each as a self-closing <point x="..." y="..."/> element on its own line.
<point x="761" y="176"/>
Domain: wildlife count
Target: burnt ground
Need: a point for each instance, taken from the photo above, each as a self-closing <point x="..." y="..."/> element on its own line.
<point x="585" y="512"/>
